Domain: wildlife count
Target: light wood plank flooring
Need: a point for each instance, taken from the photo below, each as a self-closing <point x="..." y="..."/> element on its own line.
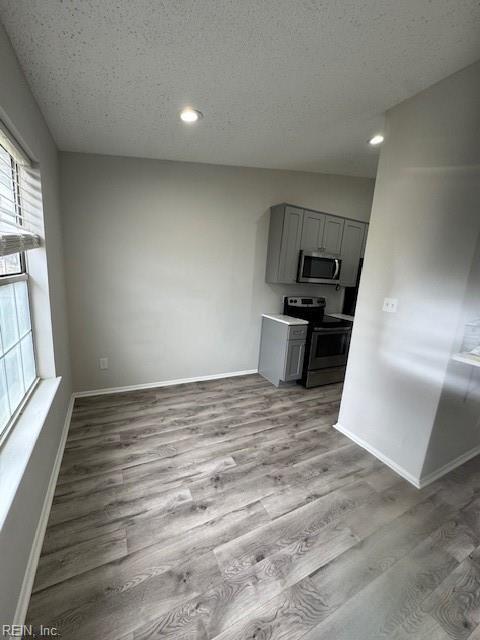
<point x="233" y="510"/>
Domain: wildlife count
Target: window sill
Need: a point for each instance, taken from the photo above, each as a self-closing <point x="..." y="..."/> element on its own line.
<point x="18" y="447"/>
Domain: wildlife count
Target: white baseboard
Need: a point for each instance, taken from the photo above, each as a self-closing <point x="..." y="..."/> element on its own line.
<point x="27" y="584"/>
<point x="382" y="457"/>
<point x="450" y="466"/>
<point x="165" y="383"/>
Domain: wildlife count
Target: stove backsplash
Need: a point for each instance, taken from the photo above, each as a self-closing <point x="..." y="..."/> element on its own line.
<point x="333" y="297"/>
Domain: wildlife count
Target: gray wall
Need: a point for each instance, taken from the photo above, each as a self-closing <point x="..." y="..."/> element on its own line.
<point x="423" y="234"/>
<point x="20" y="112"/>
<point x="165" y="262"/>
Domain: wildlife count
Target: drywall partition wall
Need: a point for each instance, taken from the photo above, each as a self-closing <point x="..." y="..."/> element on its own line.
<point x="422" y="240"/>
<point x="20" y="113"/>
<point x="456" y="429"/>
<point x="166" y="262"/>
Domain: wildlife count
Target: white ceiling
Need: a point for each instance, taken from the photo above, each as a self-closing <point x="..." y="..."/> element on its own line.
<point x="292" y="84"/>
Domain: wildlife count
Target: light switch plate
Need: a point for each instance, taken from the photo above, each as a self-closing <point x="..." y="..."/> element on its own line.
<point x="103" y="363"/>
<point x="390" y="305"/>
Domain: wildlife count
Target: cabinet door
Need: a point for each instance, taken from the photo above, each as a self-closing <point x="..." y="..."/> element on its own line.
<point x="352" y="243"/>
<point x="294" y="360"/>
<point x="332" y="236"/>
<point x="313" y="229"/>
<point x="290" y="247"/>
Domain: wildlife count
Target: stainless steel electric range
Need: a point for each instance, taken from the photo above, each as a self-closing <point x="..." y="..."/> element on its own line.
<point x="328" y="341"/>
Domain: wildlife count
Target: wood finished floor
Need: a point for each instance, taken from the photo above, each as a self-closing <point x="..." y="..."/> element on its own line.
<point x="233" y="510"/>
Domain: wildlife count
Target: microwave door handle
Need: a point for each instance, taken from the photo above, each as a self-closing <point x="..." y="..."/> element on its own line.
<point x="337" y="269"/>
<point x="300" y="266"/>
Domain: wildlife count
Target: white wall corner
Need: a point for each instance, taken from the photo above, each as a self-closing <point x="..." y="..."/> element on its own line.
<point x="421" y="481"/>
<point x="380" y="456"/>
<point x="450" y="466"/>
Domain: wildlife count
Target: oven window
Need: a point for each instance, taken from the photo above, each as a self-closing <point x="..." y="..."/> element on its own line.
<point x="331" y="344"/>
<point x="318" y="268"/>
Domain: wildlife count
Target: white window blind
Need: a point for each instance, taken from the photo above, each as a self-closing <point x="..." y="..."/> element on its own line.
<point x="20" y="199"/>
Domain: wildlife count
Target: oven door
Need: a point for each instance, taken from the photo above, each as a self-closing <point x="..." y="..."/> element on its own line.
<point x="318" y="267"/>
<point x="329" y="347"/>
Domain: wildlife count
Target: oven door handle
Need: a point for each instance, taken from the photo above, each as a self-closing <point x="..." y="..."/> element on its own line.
<point x="324" y="331"/>
<point x="337" y="269"/>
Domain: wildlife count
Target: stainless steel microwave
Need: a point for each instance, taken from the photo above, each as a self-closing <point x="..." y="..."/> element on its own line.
<point x="319" y="268"/>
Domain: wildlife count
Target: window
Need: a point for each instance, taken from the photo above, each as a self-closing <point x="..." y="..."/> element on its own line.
<point x="17" y="362"/>
<point x="9" y="197"/>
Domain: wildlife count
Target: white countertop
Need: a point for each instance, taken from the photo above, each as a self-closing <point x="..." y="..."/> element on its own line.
<point x="341" y="316"/>
<point x="280" y="317"/>
<point x="467" y="358"/>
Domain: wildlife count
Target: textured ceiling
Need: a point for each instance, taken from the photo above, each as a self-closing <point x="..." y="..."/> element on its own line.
<point x="293" y="84"/>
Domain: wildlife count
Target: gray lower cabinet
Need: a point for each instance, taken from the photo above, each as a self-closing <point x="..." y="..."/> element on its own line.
<point x="293" y="229"/>
<point x="352" y="245"/>
<point x="282" y="350"/>
<point x="294" y="363"/>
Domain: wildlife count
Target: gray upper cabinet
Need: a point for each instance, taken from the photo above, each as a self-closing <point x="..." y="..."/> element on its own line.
<point x="293" y="229"/>
<point x="322" y="232"/>
<point x="291" y="238"/>
<point x="313" y="229"/>
<point x="284" y="240"/>
<point x="332" y="237"/>
<point x="352" y="244"/>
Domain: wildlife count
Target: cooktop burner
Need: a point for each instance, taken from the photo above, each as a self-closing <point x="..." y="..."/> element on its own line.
<point x="313" y="310"/>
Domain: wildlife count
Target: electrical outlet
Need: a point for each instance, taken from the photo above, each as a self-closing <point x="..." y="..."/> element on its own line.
<point x="390" y="305"/>
<point x="103" y="362"/>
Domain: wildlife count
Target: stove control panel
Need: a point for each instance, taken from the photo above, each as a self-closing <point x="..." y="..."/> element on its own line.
<point x="298" y="301"/>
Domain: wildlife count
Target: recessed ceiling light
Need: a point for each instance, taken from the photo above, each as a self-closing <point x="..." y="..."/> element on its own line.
<point x="377" y="139"/>
<point x="190" y="115"/>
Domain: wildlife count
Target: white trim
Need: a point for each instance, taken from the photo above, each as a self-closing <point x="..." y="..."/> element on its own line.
<point x="450" y="466"/>
<point x="8" y="141"/>
<point x="17" y="414"/>
<point x="18" y="277"/>
<point x="421" y="482"/>
<point x="165" y="383"/>
<point x="381" y="456"/>
<point x="17" y="448"/>
<point x="28" y="578"/>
